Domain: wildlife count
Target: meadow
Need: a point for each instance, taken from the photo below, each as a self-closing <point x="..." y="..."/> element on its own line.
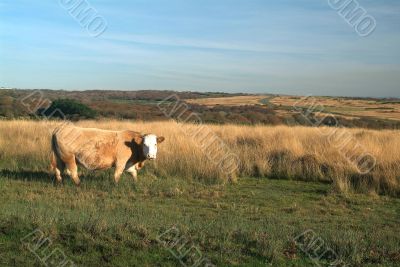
<point x="288" y="180"/>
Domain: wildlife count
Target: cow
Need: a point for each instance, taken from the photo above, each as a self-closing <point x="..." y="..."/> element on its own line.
<point x="97" y="149"/>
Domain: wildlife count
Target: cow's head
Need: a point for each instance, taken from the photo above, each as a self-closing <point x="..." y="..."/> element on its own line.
<point x="149" y="143"/>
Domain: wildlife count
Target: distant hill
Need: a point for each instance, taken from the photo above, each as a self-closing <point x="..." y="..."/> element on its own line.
<point x="211" y="107"/>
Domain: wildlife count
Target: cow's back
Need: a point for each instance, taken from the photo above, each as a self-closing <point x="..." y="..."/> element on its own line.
<point x="93" y="148"/>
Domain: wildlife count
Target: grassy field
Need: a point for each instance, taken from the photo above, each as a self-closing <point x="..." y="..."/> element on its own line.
<point x="251" y="223"/>
<point x="345" y="107"/>
<point x="290" y="180"/>
<point x="354" y="108"/>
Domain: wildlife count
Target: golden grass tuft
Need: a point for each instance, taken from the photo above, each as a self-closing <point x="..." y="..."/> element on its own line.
<point x="281" y="152"/>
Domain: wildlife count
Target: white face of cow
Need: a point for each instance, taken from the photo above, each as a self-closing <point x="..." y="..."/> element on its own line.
<point x="150" y="142"/>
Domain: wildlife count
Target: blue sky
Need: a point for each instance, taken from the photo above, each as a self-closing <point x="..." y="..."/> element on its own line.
<point x="291" y="47"/>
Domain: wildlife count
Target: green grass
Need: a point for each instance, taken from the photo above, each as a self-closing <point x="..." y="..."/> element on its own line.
<point x="251" y="223"/>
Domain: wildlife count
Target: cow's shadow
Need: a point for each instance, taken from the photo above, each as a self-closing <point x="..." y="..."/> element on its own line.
<point x="101" y="180"/>
<point x="28" y="175"/>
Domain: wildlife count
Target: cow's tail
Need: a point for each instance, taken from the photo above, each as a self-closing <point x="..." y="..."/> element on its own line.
<point x="53" y="160"/>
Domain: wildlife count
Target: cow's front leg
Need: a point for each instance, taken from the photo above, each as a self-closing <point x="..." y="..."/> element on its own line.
<point x="133" y="171"/>
<point x="72" y="170"/>
<point x="118" y="172"/>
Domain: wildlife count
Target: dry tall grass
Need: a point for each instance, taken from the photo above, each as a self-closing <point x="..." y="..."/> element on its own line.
<point x="228" y="101"/>
<point x="279" y="152"/>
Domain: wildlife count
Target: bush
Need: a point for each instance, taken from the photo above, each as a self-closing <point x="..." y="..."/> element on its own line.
<point x="68" y="108"/>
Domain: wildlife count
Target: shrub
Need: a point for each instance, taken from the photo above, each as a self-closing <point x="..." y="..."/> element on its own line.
<point x="68" y="108"/>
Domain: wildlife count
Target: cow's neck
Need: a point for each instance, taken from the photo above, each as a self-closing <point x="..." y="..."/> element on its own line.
<point x="138" y="156"/>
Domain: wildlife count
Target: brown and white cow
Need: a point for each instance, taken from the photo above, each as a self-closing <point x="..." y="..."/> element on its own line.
<point x="97" y="149"/>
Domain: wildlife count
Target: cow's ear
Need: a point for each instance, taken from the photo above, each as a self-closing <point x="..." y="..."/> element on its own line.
<point x="160" y="139"/>
<point x="138" y="139"/>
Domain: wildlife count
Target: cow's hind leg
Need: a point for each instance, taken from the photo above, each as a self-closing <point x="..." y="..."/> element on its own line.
<point x="58" y="167"/>
<point x="73" y="170"/>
